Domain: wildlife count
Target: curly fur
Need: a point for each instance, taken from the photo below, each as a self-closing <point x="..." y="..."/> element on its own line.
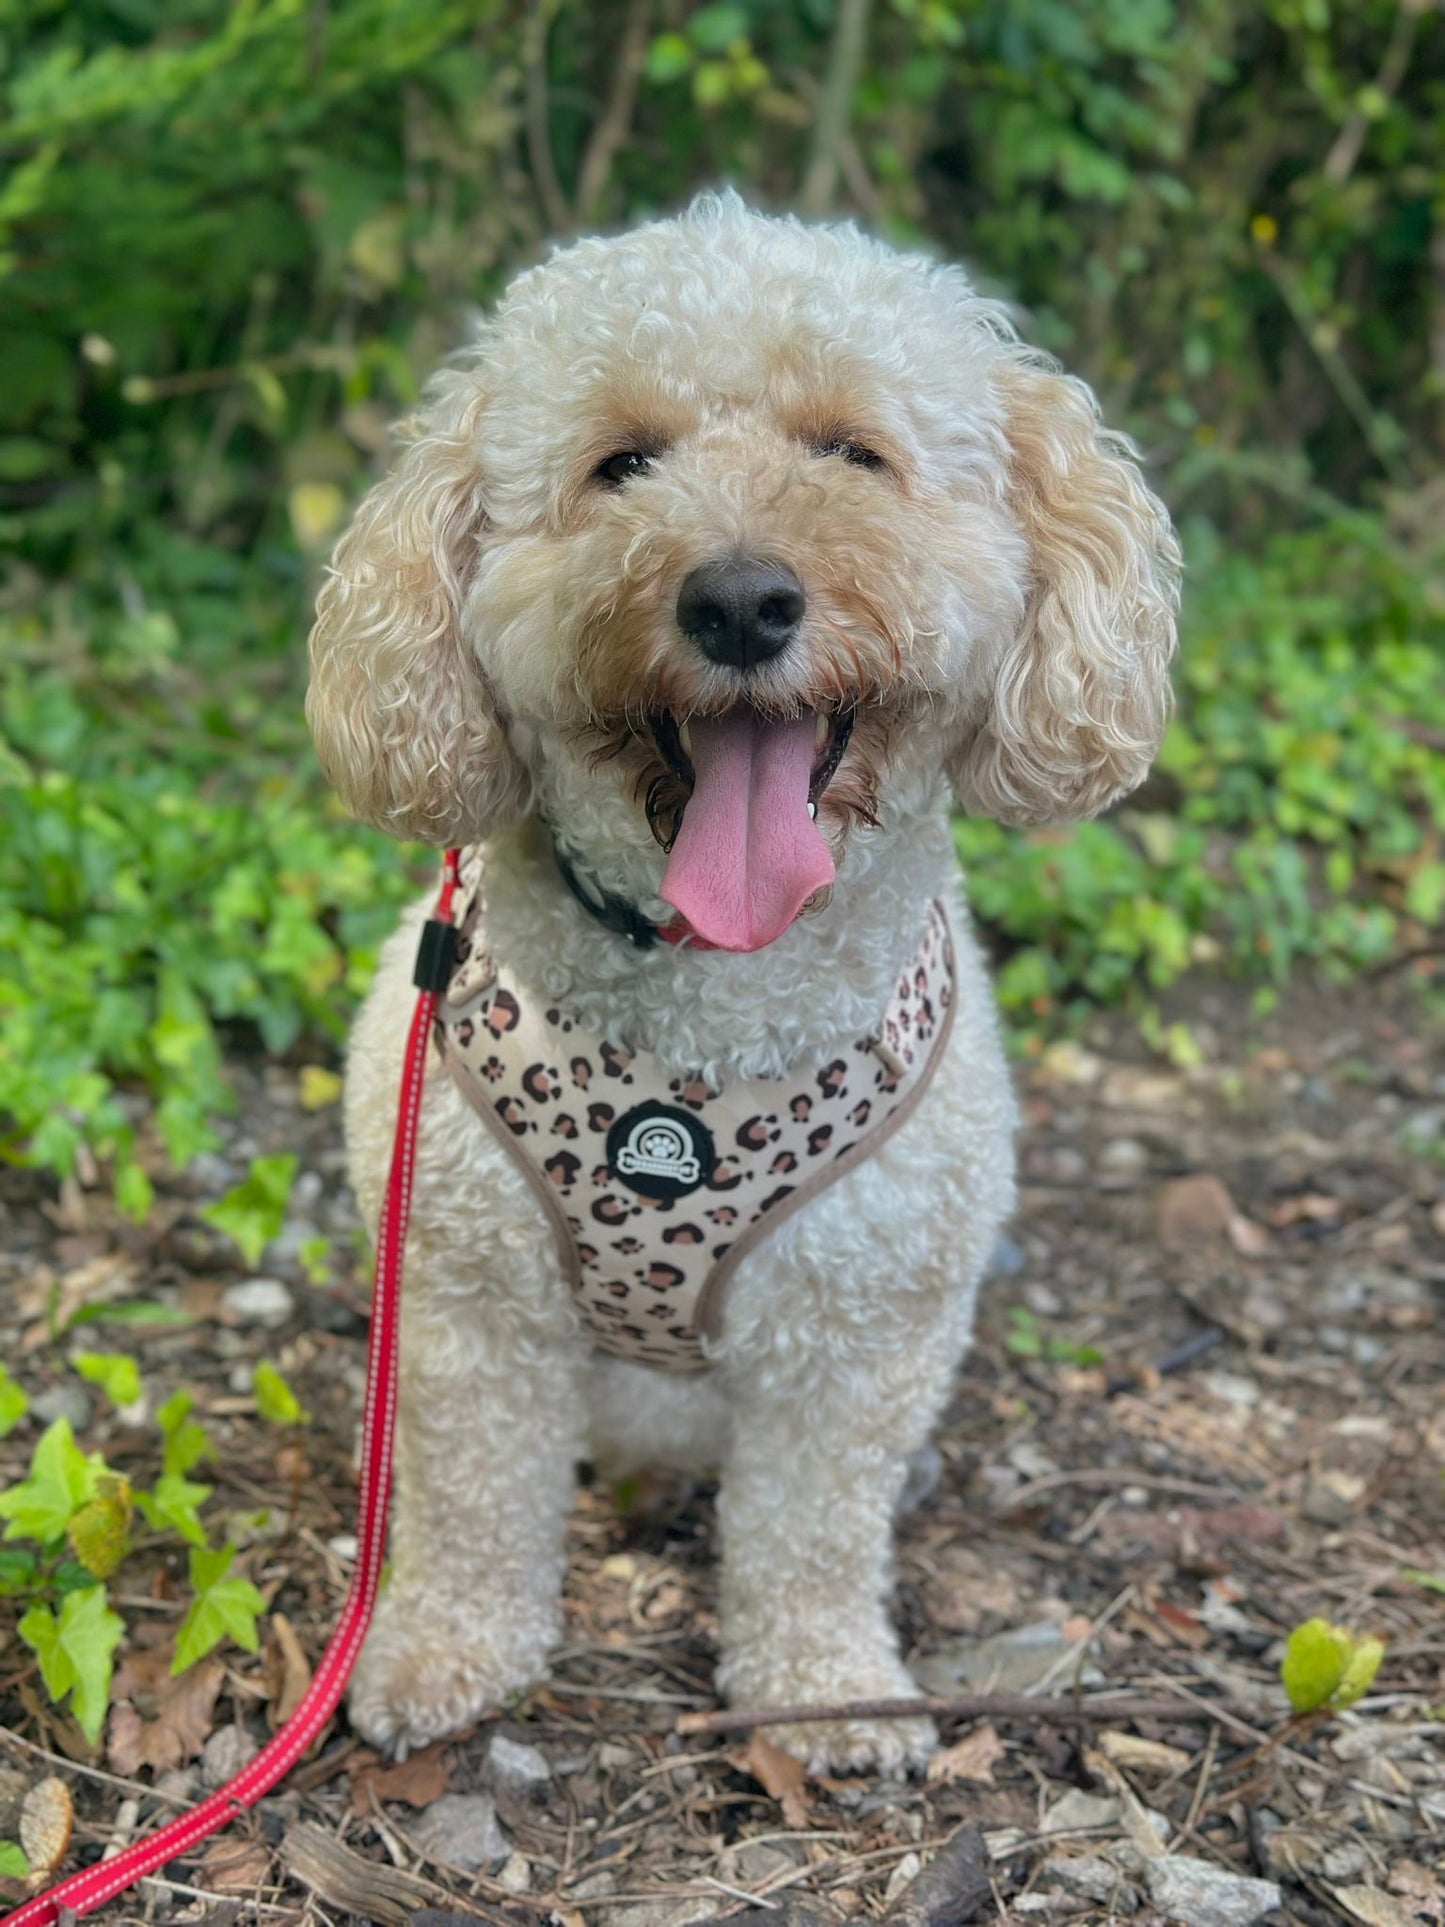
<point x="997" y="599"/>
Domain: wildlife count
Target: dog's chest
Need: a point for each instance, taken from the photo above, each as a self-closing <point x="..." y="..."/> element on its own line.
<point x="656" y="1186"/>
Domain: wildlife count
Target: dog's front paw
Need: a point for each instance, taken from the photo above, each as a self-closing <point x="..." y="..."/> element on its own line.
<point x="420" y="1679"/>
<point x="890" y="1747"/>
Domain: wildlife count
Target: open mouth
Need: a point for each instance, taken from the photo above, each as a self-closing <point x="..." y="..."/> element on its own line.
<point x="747" y="853"/>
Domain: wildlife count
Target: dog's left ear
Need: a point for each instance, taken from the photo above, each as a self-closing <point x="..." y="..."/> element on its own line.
<point x="1076" y="705"/>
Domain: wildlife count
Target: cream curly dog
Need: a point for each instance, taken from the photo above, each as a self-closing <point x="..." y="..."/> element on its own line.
<point x="727" y="554"/>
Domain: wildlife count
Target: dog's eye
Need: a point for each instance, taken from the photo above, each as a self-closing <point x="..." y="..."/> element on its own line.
<point x="621" y="468"/>
<point x="858" y="453"/>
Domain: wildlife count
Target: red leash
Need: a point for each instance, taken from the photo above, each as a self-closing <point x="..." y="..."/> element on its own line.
<point x="84" y="1891"/>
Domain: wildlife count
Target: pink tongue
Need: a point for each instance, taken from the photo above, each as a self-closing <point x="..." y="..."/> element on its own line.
<point x="748" y="855"/>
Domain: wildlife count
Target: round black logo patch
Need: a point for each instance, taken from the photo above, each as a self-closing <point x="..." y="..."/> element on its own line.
<point x="660" y="1152"/>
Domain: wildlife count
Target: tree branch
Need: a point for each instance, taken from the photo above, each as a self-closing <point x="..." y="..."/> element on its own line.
<point x="968" y="1706"/>
<point x="845" y="62"/>
<point x="612" y="129"/>
<point x="535" y="108"/>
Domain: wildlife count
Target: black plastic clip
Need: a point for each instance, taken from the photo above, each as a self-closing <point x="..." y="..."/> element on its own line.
<point x="435" y="955"/>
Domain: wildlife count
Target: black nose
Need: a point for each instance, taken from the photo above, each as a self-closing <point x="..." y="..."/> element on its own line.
<point x="741" y="612"/>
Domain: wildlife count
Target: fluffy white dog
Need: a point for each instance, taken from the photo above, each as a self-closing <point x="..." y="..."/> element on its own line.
<point x="728" y="551"/>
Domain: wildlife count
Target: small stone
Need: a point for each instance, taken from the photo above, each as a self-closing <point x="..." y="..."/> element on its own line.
<point x="1090" y="1877"/>
<point x="1010" y="1662"/>
<point x="1327" y="1497"/>
<point x="907" y="1871"/>
<point x="752" y="1863"/>
<point x="259" y="1301"/>
<point x="62" y="1401"/>
<point x="227" y="1750"/>
<point x="613" y="1758"/>
<point x="462" y="1830"/>
<point x="212" y="1174"/>
<point x="1079" y="1811"/>
<point x="1198" y="1894"/>
<point x="516" y="1874"/>
<point x="593" y="1886"/>
<point x="1043" y="1300"/>
<point x="1123" y="1157"/>
<point x="662" y="1913"/>
<point x="519" y="1768"/>
<point x="177" y="1785"/>
<point x="1008" y="1259"/>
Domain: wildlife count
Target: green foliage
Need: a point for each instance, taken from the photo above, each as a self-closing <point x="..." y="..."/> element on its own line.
<point x="13" y="1403"/>
<point x="13" y="1863"/>
<point x="232" y="240"/>
<point x="223" y="1607"/>
<point x="275" y="1399"/>
<point x="75" y="1652"/>
<point x="117" y="1375"/>
<point x="1025" y="1340"/>
<point x="253" y="1211"/>
<point x="62" y="1480"/>
<point x="1326" y="1666"/>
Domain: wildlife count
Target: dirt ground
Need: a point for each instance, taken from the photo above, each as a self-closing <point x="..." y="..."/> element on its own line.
<point x="1205" y="1405"/>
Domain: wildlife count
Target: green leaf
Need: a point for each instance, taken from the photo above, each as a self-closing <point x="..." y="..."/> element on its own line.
<point x="19" y="1570"/>
<point x="253" y="1211"/>
<point x="275" y="1399"/>
<point x="173" y="1502"/>
<point x="62" y="1479"/>
<point x="714" y="29"/>
<point x="186" y="1441"/>
<point x="99" y="1534"/>
<point x="13" y="1864"/>
<point x="1431" y="1581"/>
<point x="1327" y="1665"/>
<point x="117" y="1375"/>
<point x="139" y="1311"/>
<point x="75" y="1653"/>
<point x="220" y="1608"/>
<point x="13" y="1403"/>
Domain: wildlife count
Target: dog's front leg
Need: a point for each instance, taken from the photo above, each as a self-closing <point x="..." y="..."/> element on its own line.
<point x="817" y="1465"/>
<point x="488" y="1436"/>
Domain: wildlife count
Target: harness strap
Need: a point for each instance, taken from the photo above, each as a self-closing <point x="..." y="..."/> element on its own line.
<point x="82" y="1892"/>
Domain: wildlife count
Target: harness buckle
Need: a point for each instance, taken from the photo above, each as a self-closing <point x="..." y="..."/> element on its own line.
<point x="435" y="955"/>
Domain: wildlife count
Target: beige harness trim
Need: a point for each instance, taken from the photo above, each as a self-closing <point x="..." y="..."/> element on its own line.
<point x="657" y="1188"/>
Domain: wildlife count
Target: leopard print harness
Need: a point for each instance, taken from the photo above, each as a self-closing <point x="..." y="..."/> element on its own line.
<point x="657" y="1187"/>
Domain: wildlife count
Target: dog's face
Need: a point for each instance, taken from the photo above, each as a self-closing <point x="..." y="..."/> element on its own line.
<point x="748" y="515"/>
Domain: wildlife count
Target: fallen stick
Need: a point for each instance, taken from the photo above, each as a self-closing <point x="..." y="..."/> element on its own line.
<point x="970" y="1706"/>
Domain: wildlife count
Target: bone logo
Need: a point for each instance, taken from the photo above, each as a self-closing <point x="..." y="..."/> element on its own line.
<point x="660" y="1152"/>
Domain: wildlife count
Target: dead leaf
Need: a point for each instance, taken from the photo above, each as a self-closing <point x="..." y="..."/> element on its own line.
<point x="1142" y="1756"/>
<point x="235" y="1865"/>
<point x="1310" y="1207"/>
<point x="288" y="1671"/>
<point x="415" y="1781"/>
<point x="1376" y="1909"/>
<point x="156" y="1720"/>
<point x="1182" y="1625"/>
<point x="782" y="1777"/>
<point x="1199" y="1210"/>
<point x="46" y="1819"/>
<point x="1420" y="1887"/>
<point x="973" y="1758"/>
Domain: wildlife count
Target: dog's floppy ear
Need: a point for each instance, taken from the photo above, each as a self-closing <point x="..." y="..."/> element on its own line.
<point x="404" y="724"/>
<point x="1077" y="702"/>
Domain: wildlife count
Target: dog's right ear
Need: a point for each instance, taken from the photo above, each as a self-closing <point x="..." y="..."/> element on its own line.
<point x="404" y="723"/>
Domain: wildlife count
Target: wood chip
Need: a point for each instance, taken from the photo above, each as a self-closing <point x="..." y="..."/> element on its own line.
<point x="344" y="1879"/>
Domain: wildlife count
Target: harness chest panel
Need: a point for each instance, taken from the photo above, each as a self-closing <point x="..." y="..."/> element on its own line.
<point x="657" y="1187"/>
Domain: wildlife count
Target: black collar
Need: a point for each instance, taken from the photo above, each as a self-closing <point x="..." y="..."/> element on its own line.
<point x="616" y="914"/>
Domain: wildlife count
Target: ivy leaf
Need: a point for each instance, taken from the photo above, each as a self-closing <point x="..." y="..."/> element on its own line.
<point x="99" y="1534"/>
<point x="253" y="1211"/>
<point x="221" y="1606"/>
<point x="186" y="1442"/>
<point x="75" y="1653"/>
<point x="62" y="1480"/>
<point x="174" y="1501"/>
<point x="13" y="1403"/>
<point x="117" y="1375"/>
<point x="275" y="1399"/>
<point x="1328" y="1666"/>
<point x="13" y="1864"/>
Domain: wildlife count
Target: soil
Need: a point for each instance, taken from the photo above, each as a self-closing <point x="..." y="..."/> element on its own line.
<point x="1204" y="1406"/>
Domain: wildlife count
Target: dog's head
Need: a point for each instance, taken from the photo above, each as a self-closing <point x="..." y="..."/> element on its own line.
<point x="747" y="518"/>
